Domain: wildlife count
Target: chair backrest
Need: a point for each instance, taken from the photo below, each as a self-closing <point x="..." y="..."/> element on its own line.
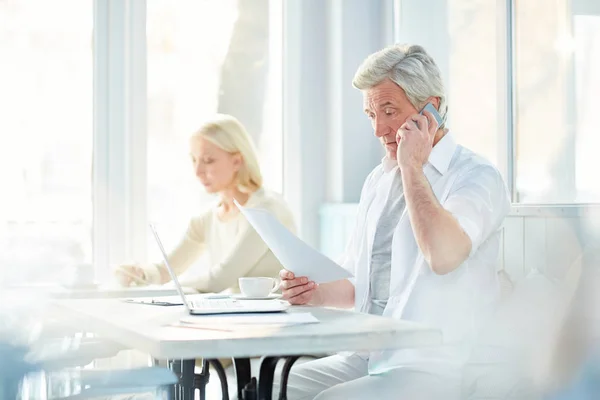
<point x="548" y="243"/>
<point x="539" y="268"/>
<point x="13" y="368"/>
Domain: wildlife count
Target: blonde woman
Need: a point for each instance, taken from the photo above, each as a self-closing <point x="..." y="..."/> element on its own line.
<point x="225" y="162"/>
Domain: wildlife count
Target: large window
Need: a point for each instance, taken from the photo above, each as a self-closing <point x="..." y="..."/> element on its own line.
<point x="473" y="74"/>
<point x="206" y="57"/>
<point x="523" y="79"/>
<point x="99" y="102"/>
<point x="557" y="71"/>
<point x="463" y="38"/>
<point x="46" y="132"/>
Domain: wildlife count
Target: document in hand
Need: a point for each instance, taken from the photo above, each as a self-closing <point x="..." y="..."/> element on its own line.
<point x="294" y="254"/>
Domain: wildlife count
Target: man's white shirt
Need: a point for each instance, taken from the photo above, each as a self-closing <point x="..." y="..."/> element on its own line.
<point x="470" y="188"/>
<point x="381" y="254"/>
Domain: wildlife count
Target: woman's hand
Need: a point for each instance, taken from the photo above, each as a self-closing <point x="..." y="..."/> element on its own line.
<point x="298" y="290"/>
<point x="128" y="274"/>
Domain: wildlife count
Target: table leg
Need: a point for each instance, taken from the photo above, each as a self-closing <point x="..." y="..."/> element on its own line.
<point x="188" y="381"/>
<point x="266" y="375"/>
<point x="243" y="374"/>
<point x="249" y="391"/>
<point x="201" y="379"/>
<point x="184" y="369"/>
<point x="187" y="373"/>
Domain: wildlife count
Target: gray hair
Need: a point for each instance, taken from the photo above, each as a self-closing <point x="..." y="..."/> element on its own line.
<point x="411" y="68"/>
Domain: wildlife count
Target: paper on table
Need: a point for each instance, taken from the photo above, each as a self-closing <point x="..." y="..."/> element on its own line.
<point x="248" y="320"/>
<point x="174" y="300"/>
<point x="294" y="254"/>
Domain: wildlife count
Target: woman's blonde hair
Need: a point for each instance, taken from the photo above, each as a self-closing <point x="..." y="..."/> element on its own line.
<point x="226" y="132"/>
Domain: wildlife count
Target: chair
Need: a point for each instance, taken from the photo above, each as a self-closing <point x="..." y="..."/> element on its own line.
<point x="56" y="371"/>
<point x="13" y="368"/>
<point x="100" y="383"/>
<point x="516" y="337"/>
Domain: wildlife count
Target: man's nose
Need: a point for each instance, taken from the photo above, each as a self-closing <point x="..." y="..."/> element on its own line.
<point x="381" y="130"/>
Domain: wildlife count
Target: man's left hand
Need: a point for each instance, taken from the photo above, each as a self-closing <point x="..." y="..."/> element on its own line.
<point x="415" y="140"/>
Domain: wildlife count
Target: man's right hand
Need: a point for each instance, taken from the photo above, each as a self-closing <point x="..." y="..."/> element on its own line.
<point x="297" y="290"/>
<point x="128" y="274"/>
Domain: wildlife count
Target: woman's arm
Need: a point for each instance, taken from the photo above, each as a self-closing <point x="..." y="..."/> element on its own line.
<point x="248" y="250"/>
<point x="189" y="249"/>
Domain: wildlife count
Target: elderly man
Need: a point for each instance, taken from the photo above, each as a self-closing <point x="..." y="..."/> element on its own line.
<point x="425" y="245"/>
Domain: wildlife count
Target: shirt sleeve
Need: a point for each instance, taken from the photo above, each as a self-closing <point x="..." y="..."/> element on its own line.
<point x="479" y="201"/>
<point x="189" y="249"/>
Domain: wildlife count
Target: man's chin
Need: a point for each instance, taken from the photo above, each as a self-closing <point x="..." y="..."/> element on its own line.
<point x="391" y="155"/>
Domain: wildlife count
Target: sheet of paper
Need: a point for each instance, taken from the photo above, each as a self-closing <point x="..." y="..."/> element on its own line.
<point x="294" y="254"/>
<point x="175" y="300"/>
<point x="250" y="320"/>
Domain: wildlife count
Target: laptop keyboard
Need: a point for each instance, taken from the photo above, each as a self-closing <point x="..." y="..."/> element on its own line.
<point x="215" y="304"/>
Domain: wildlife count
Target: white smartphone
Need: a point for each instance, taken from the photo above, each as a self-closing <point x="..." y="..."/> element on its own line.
<point x="429" y="107"/>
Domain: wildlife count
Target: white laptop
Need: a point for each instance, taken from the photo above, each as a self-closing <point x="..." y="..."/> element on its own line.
<point x="201" y="306"/>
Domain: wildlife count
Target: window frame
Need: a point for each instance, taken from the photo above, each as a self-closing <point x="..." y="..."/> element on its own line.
<point x="119" y="134"/>
<point x="507" y="68"/>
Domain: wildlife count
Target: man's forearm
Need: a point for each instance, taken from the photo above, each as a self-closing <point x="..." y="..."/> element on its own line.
<point x="440" y="237"/>
<point x="335" y="294"/>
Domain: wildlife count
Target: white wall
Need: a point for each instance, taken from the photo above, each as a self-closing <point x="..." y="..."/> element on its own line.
<point x="585" y="7"/>
<point x="425" y="22"/>
<point x="329" y="145"/>
<point x="549" y="239"/>
<point x="352" y="148"/>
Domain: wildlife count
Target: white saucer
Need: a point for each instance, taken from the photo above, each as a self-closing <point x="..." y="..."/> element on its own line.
<point x="272" y="296"/>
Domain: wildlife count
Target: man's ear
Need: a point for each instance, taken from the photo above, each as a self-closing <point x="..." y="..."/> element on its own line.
<point x="435" y="101"/>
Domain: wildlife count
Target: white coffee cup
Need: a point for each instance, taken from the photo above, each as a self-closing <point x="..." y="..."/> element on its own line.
<point x="258" y="286"/>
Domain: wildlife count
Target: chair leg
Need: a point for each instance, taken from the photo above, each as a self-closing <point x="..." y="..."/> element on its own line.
<point x="285" y="373"/>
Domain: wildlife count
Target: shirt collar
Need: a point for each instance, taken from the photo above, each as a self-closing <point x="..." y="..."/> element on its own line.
<point x="388" y="164"/>
<point x="440" y="156"/>
<point x="442" y="153"/>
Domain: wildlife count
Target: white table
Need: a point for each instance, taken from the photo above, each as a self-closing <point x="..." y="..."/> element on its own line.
<point x="150" y="329"/>
<point x="98" y="292"/>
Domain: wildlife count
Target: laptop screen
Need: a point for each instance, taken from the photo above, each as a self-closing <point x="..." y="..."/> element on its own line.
<point x="171" y="271"/>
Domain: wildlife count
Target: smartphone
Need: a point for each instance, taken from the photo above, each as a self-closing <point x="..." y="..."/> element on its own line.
<point x="429" y="107"/>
